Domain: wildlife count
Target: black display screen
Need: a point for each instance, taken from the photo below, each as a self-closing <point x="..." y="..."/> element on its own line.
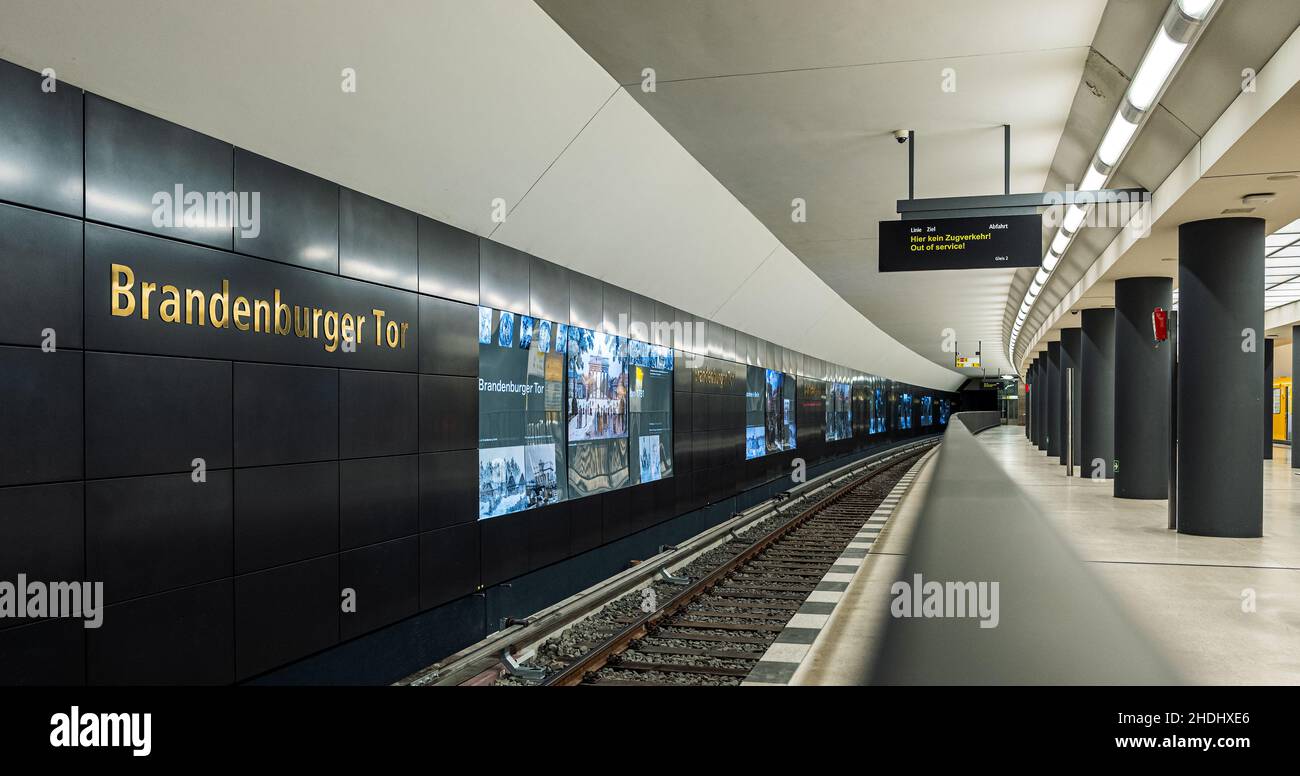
<point x="977" y="242"/>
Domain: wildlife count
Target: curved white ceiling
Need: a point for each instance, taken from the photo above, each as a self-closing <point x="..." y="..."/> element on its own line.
<point x="458" y="104"/>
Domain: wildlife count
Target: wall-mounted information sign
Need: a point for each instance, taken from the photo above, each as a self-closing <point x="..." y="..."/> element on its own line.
<point x="977" y="242"/>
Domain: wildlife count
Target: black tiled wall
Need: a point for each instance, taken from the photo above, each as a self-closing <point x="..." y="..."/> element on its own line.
<point x="325" y="476"/>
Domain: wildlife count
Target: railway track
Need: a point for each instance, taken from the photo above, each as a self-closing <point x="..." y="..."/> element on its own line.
<point x="712" y="623"/>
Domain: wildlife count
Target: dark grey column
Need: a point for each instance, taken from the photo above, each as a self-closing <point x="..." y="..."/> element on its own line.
<point x="1141" y="390"/>
<point x="1024" y="411"/>
<point x="1295" y="375"/>
<point x="1268" y="399"/>
<point x="1097" y="368"/>
<point x="1033" y="402"/>
<point x="1053" y="440"/>
<point x="1220" y="377"/>
<point x="1038" y="389"/>
<point x="1043" y="400"/>
<point x="1035" y="385"/>
<point x="1070" y="361"/>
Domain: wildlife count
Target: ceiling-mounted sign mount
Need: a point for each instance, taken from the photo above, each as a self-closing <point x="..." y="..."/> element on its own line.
<point x="974" y="242"/>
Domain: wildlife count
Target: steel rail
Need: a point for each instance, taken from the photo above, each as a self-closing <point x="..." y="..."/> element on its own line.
<point x="517" y="636"/>
<point x="601" y="655"/>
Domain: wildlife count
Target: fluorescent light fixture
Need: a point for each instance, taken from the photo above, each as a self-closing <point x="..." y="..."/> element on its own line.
<point x="1050" y="261"/>
<point x="1074" y="216"/>
<point x="1060" y="243"/>
<point x="1116" y="140"/>
<point x="1197" y="9"/>
<point x="1041" y="277"/>
<point x="1034" y="288"/>
<point x="1154" y="70"/>
<point x="1093" y="180"/>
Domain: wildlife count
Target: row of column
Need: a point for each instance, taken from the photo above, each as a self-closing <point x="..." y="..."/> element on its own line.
<point x="1214" y="369"/>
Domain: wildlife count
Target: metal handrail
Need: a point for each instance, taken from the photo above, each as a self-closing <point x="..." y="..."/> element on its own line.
<point x="1056" y="622"/>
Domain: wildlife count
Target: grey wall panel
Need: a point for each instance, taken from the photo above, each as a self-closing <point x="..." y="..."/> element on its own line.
<point x="379" y="499"/>
<point x="285" y="613"/>
<point x="549" y="534"/>
<point x="746" y="348"/>
<point x="641" y="317"/>
<point x="40" y="141"/>
<point x="448" y="413"/>
<point x="504" y="547"/>
<point x="683" y="451"/>
<point x="288" y="337"/>
<point x="448" y="261"/>
<point x="40" y="268"/>
<point x="585" y="528"/>
<point x="284" y="514"/>
<point x="448" y="488"/>
<point x="681" y="411"/>
<point x="41" y="414"/>
<point x="145" y="535"/>
<point x="132" y="156"/>
<point x="586" y="301"/>
<point x="503" y="277"/>
<point x="377" y="241"/>
<point x="548" y="290"/>
<point x="377" y="413"/>
<point x="182" y="637"/>
<point x="662" y="333"/>
<point x="700" y="417"/>
<point x="722" y="341"/>
<point x="448" y="337"/>
<point x="299" y="214"/>
<point x="44" y="654"/>
<point x="285" y="414"/>
<point x="151" y="415"/>
<point x="617" y="307"/>
<point x="617" y="519"/>
<point x="42" y="530"/>
<point x="449" y="564"/>
<point x="386" y="578"/>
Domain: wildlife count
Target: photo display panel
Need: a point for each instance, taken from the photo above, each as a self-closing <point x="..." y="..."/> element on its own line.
<point x="877" y="401"/>
<point x="779" y="404"/>
<point x="597" y="412"/>
<point x="904" y="411"/>
<point x="755" y="426"/>
<point x="650" y="410"/>
<point x="943" y="412"/>
<point x="521" y="412"/>
<point x="927" y="410"/>
<point x="839" y="411"/>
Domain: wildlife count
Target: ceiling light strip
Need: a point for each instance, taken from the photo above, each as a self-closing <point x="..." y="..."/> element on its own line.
<point x="1182" y="23"/>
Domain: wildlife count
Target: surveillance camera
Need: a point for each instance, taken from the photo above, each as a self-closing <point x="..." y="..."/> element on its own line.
<point x="900" y="135"/>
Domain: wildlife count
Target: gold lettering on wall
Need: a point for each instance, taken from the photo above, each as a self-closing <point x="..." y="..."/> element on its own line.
<point x="220" y="311"/>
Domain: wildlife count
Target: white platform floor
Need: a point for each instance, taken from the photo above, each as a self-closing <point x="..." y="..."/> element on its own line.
<point x="1186" y="591"/>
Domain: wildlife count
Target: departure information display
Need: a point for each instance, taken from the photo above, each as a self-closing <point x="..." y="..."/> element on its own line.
<point x="977" y="242"/>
